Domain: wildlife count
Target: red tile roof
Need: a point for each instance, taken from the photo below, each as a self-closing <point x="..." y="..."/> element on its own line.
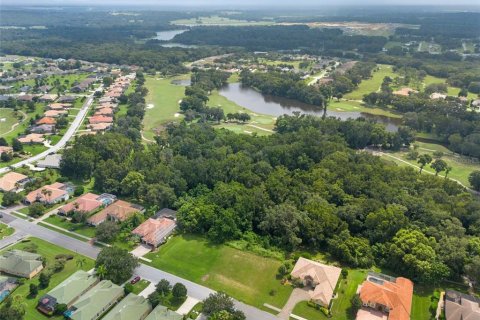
<point x="85" y="203"/>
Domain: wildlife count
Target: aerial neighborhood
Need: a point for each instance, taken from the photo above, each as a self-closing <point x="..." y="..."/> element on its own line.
<point x="277" y="162"/>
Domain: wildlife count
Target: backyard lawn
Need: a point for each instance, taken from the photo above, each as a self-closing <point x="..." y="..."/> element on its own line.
<point x="48" y="251"/>
<point x="243" y="275"/>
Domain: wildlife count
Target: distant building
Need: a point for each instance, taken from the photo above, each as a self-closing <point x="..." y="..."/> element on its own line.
<point x="6" y="149"/>
<point x="67" y="99"/>
<point x="32" y="138"/>
<point x="87" y="203"/>
<point x="43" y="128"/>
<point x="438" y="96"/>
<point x="21" y="263"/>
<point x="460" y="306"/>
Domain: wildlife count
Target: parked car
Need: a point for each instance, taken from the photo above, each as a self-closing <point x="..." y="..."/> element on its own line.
<point x="135" y="280"/>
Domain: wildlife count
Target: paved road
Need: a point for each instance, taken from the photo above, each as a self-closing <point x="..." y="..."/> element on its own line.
<point x="24" y="227"/>
<point x="63" y="141"/>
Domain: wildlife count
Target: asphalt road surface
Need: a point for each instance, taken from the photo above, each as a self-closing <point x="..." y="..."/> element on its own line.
<point x="63" y="141"/>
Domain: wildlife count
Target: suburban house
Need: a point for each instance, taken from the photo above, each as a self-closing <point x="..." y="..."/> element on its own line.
<point x="13" y="182"/>
<point x="392" y="296"/>
<point x="87" y="203"/>
<point x="43" y="128"/>
<point x="93" y="304"/>
<point x="32" y="138"/>
<point x="58" y="106"/>
<point x="104" y="112"/>
<point x="99" y="126"/>
<point x="154" y="232"/>
<point x="55" y="113"/>
<point x="25" y="97"/>
<point x="21" y="263"/>
<point x="48" y="98"/>
<point x="118" y="211"/>
<point x="132" y="307"/>
<point x="46" y="120"/>
<point x="100" y="119"/>
<point x="67" y="292"/>
<point x="321" y="278"/>
<point x="460" y="306"/>
<point x="67" y="99"/>
<point x="45" y="88"/>
<point x="5" y="149"/>
<point x="50" y="194"/>
<point x="51" y="161"/>
<point x="163" y="313"/>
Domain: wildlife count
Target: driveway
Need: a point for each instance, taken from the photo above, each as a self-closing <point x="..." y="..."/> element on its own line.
<point x="141" y="250"/>
<point x="187" y="305"/>
<point x="296" y="296"/>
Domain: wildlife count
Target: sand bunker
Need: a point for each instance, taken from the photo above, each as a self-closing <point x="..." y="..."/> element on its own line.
<point x="150" y="106"/>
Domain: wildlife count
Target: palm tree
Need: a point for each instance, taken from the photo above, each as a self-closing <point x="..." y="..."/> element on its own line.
<point x="101" y="271"/>
<point x="81" y="262"/>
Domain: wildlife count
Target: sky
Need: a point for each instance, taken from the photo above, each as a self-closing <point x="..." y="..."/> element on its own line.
<point x="238" y="3"/>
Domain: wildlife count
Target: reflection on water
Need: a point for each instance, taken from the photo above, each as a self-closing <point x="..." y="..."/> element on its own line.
<point x="277" y="106"/>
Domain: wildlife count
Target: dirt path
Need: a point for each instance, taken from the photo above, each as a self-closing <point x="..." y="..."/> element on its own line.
<point x="260" y="128"/>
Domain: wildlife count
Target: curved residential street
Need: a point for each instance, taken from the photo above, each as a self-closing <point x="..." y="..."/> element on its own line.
<point x="24" y="227"/>
<point x="63" y="141"/>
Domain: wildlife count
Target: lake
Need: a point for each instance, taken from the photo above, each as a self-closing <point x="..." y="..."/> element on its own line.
<point x="277" y="106"/>
<point x="167" y="35"/>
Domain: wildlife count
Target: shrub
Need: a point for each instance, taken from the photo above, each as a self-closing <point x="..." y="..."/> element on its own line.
<point x="79" y="190"/>
<point x="60" y="308"/>
<point x="344" y="273"/>
<point x="64" y="256"/>
<point x="128" y="288"/>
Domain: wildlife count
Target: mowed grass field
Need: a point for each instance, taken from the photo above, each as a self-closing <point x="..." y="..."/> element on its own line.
<point x="48" y="251"/>
<point x="461" y="169"/>
<point x="8" y="118"/>
<point x="373" y="84"/>
<point x="243" y="275"/>
<point x="452" y="91"/>
<point x="165" y="97"/>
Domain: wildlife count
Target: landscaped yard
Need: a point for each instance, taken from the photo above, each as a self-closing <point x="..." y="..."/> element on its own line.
<point x="5" y="230"/>
<point x="48" y="251"/>
<point x="140" y="286"/>
<point x="75" y="227"/>
<point x="243" y="275"/>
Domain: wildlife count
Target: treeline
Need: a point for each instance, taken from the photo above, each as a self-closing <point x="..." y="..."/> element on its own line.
<point x="152" y="57"/>
<point x="302" y="188"/>
<point x="281" y="38"/>
<point x="283" y="84"/>
<point x="194" y="104"/>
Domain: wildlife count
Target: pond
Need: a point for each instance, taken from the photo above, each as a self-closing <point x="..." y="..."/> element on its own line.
<point x="277" y="106"/>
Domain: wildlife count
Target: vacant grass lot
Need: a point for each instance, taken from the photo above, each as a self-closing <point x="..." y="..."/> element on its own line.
<point x="8" y="118"/>
<point x="48" y="251"/>
<point x="243" y="275"/>
<point x="373" y="84"/>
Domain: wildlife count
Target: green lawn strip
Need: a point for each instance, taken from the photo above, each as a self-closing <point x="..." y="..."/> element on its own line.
<point x="48" y="251"/>
<point x="140" y="286"/>
<point x="70" y="234"/>
<point x="79" y="228"/>
<point x="164" y="96"/>
<point x="346" y="290"/>
<point x="373" y="84"/>
<point x="5" y="230"/>
<point x="242" y="128"/>
<point x="303" y="310"/>
<point x="19" y="216"/>
<point x="243" y="275"/>
<point x="195" y="312"/>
